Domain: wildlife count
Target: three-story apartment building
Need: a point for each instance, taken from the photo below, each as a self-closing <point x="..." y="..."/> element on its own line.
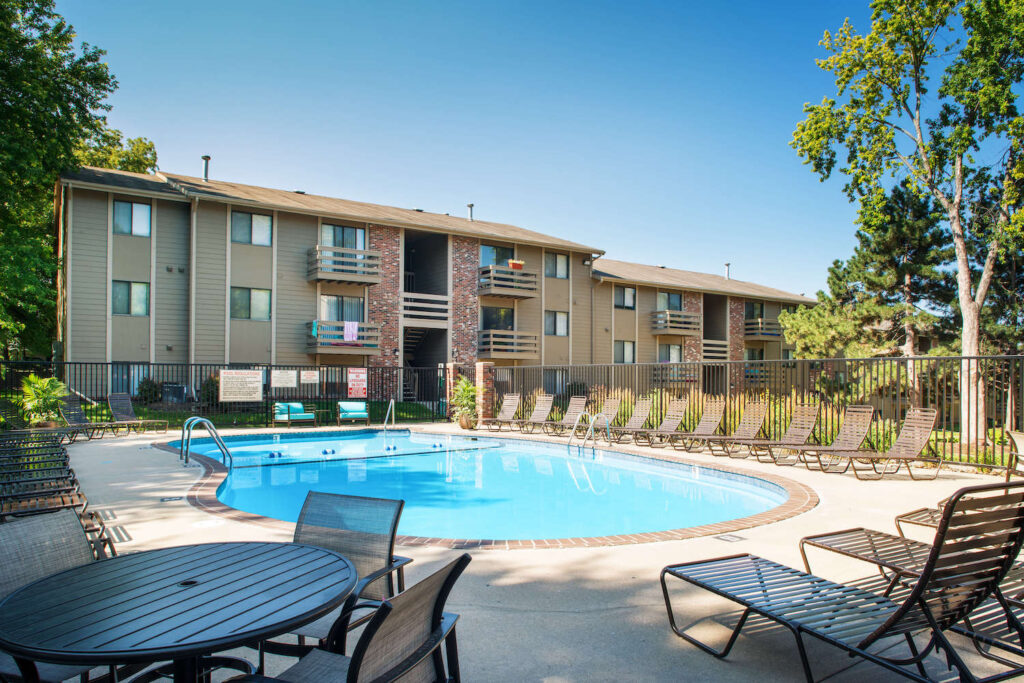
<point x="172" y="268"/>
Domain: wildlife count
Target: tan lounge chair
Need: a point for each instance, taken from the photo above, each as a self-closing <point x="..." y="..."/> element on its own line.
<point x="749" y="427"/>
<point x="852" y="432"/>
<point x="710" y="419"/>
<point x="540" y="414"/>
<point x="675" y="413"/>
<point x="507" y="413"/>
<point x="636" y="421"/>
<point x="577" y="406"/>
<point x="908" y="447"/>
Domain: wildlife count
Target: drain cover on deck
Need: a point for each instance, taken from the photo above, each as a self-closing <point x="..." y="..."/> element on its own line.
<point x="730" y="538"/>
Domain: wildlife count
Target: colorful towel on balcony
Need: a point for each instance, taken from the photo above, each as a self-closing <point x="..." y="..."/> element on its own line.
<point x="351" y="331"/>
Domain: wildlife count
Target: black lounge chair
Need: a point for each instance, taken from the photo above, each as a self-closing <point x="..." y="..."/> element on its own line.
<point x="507" y="413"/>
<point x="124" y="412"/>
<point x="637" y="420"/>
<point x="71" y="409"/>
<point x="17" y="428"/>
<point x="751" y="423"/>
<point x="710" y="419"/>
<point x="975" y="546"/>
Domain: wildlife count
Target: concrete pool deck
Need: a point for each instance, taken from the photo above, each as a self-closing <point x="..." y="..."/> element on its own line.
<point x="563" y="614"/>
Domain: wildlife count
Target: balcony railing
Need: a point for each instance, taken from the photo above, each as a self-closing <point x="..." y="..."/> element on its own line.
<point x="764" y="328"/>
<point x="507" y="282"/>
<point x="507" y="344"/>
<point x="715" y="349"/>
<point x="425" y="310"/>
<point x="675" y="322"/>
<point x="338" y="264"/>
<point x="328" y="336"/>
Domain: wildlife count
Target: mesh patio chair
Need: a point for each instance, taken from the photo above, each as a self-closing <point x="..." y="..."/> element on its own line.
<point x="976" y="543"/>
<point x="123" y="411"/>
<point x="363" y="530"/>
<point x="852" y="432"/>
<point x="610" y="410"/>
<point x="541" y="413"/>
<point x="675" y="413"/>
<point x="71" y="410"/>
<point x="710" y="419"/>
<point x="402" y="641"/>
<point x="577" y="406"/>
<point x="637" y="420"/>
<point x="750" y="425"/>
<point x="507" y="413"/>
<point x="908" y="447"/>
<point x="17" y="428"/>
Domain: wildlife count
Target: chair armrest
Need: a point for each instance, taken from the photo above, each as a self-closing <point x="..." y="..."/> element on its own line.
<point x="396" y="564"/>
<point x="437" y="637"/>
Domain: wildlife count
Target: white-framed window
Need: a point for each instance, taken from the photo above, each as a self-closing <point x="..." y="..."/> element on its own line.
<point x="670" y="353"/>
<point x="132" y="218"/>
<point x="625" y="297"/>
<point x="556" y="265"/>
<point x="251" y="228"/>
<point x="341" y="308"/>
<point x="129" y="298"/>
<point x="625" y="352"/>
<point x="250" y="304"/>
<point x="556" y="323"/>
<point x="343" y="236"/>
<point x="670" y="301"/>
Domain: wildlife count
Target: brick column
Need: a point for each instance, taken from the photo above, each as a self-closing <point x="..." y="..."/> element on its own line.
<point x="484" y="390"/>
<point x="693" y="345"/>
<point x="450" y="376"/>
<point x="465" y="308"/>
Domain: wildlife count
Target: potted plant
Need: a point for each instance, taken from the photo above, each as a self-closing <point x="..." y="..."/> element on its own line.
<point x="464" y="403"/>
<point x="516" y="264"/>
<point x="40" y="400"/>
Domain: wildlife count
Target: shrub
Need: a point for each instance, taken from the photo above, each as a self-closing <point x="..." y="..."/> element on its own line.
<point x="463" y="398"/>
<point x="149" y="391"/>
<point x="209" y="391"/>
<point x="40" y="398"/>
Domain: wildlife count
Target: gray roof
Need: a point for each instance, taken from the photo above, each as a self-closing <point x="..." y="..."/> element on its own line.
<point x="122" y="179"/>
<point x="660" y="276"/>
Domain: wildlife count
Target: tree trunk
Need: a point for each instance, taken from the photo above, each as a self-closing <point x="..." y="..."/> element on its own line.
<point x="910" y="345"/>
<point x="973" y="427"/>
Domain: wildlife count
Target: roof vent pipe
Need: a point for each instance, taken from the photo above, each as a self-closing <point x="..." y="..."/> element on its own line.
<point x="206" y="168"/>
<point x="727" y="271"/>
<point x="470" y="207"/>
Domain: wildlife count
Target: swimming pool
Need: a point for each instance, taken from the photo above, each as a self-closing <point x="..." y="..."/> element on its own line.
<point x="458" y="487"/>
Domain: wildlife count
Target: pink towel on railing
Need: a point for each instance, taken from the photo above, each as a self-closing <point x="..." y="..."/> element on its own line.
<point x="351" y="331"/>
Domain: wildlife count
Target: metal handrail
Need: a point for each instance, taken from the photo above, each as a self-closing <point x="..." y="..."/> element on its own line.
<point x="186" y="440"/>
<point x="576" y="425"/>
<point x="590" y="430"/>
<point x="391" y="412"/>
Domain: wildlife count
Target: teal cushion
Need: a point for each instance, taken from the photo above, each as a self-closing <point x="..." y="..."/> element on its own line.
<point x="303" y="416"/>
<point x="346" y="415"/>
<point x="297" y="410"/>
<point x="352" y="409"/>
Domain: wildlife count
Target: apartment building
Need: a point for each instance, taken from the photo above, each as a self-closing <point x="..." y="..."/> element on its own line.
<point x="171" y="268"/>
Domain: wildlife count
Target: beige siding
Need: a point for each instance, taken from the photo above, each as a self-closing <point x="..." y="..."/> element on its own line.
<point x="250" y="341"/>
<point x="131" y="258"/>
<point x="210" y="309"/>
<point x="250" y="266"/>
<point x="530" y="312"/>
<point x="296" y="297"/>
<point x="556" y="298"/>
<point x="88" y="312"/>
<point x="602" y="326"/>
<point x="130" y="338"/>
<point x="170" y="300"/>
<point x="625" y="324"/>
<point x="646" y="343"/>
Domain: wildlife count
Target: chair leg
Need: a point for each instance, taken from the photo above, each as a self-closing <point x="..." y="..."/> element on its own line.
<point x="720" y="654"/>
<point x="452" y="652"/>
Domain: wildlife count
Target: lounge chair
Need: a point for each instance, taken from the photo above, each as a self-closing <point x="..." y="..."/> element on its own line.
<point x="577" y="406"/>
<point x="751" y="423"/>
<point x="710" y="419"/>
<point x="507" y="413"/>
<point x="908" y="447"/>
<point x="294" y="413"/>
<point x="801" y="425"/>
<point x="71" y="410"/>
<point x="641" y="413"/>
<point x="17" y="428"/>
<point x="852" y="432"/>
<point x="610" y="410"/>
<point x="353" y="410"/>
<point x="675" y="413"/>
<point x="402" y="640"/>
<point x="977" y="540"/>
<point x="123" y="411"/>
<point x="540" y="414"/>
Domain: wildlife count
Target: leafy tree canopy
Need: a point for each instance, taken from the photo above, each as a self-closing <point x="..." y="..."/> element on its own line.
<point x="107" y="148"/>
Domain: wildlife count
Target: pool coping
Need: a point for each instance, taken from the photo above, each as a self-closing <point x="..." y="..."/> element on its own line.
<point x="800" y="498"/>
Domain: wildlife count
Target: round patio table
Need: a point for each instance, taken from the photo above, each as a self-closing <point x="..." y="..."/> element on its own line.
<point x="173" y="604"/>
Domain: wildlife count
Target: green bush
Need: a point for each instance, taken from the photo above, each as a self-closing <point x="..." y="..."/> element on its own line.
<point x="463" y="398"/>
<point x="209" y="391"/>
<point x="149" y="391"/>
<point x="40" y="398"/>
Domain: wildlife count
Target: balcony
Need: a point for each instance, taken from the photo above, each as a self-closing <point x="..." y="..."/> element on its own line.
<point x="675" y="322"/>
<point x="715" y="349"/>
<point x="426" y="310"/>
<point x="507" y="344"/>
<point x="327" y="336"/>
<point x="767" y="329"/>
<point x="507" y="282"/>
<point x="338" y="264"/>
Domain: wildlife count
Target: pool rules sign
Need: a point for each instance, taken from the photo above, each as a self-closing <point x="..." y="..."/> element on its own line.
<point x="357" y="382"/>
<point x="241" y="386"/>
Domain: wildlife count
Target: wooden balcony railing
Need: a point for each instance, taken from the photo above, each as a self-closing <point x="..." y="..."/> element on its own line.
<point x="764" y="328"/>
<point x="715" y="349"/>
<point x="507" y="344"/>
<point x="675" y="322"/>
<point x="425" y="310"/>
<point x="338" y="264"/>
<point x="328" y="336"/>
<point x="507" y="282"/>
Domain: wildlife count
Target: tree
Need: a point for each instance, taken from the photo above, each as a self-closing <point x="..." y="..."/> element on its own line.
<point x="965" y="136"/>
<point x="51" y="96"/>
<point x="107" y="148"/>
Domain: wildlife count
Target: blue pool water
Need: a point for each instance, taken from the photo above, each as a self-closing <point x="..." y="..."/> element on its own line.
<point x="483" y="488"/>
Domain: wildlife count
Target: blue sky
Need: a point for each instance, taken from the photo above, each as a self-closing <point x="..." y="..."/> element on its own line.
<point x="656" y="131"/>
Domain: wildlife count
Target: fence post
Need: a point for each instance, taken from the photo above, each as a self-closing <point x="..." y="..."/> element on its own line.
<point x="484" y="390"/>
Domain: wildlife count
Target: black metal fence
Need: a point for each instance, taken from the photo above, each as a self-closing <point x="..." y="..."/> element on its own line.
<point x="175" y="391"/>
<point x="977" y="398"/>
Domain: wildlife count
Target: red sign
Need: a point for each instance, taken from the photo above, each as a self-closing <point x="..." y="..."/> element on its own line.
<point x="357" y="382"/>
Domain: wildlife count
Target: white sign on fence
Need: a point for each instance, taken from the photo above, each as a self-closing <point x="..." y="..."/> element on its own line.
<point x="283" y="378"/>
<point x="241" y="386"/>
<point x="309" y="376"/>
<point x="357" y="382"/>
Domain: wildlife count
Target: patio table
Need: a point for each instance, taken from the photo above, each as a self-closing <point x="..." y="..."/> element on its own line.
<point x="173" y="604"/>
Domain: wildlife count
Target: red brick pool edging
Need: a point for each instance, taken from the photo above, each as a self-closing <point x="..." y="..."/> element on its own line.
<point x="801" y="498"/>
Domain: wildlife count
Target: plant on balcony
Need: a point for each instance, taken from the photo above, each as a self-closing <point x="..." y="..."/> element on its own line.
<point x="464" y="403"/>
<point x="40" y="399"/>
<point x="516" y="264"/>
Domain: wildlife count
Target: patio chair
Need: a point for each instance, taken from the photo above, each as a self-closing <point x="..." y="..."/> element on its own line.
<point x="908" y="447"/>
<point x="123" y="411"/>
<point x="852" y="432"/>
<point x="353" y="410"/>
<point x="540" y="414"/>
<point x="610" y="409"/>
<point x="294" y="412"/>
<point x="636" y="421"/>
<point x="977" y="540"/>
<point x="402" y="640"/>
<point x="363" y="530"/>
<point x="71" y="410"/>
<point x="710" y="419"/>
<point x="577" y="407"/>
<point x="507" y="412"/>
<point x="17" y="428"/>
<point x="675" y="413"/>
<point x="750" y="425"/>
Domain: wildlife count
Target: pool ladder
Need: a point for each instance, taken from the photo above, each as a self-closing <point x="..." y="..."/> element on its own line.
<point x="390" y="412"/>
<point x="186" y="439"/>
<point x="592" y="420"/>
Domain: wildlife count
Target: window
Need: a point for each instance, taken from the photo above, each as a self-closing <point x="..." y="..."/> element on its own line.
<point x="492" y="255"/>
<point x="250" y="304"/>
<point x="131" y="218"/>
<point x="670" y="301"/>
<point x="752" y="310"/>
<point x="788" y="354"/>
<point x="341" y="308"/>
<point x="556" y="265"/>
<point x="625" y="297"/>
<point x="341" y="236"/>
<point x="556" y="323"/>
<point x="555" y="381"/>
<point x="130" y="298"/>
<point x="670" y="353"/>
<point x="753" y="354"/>
<point x="250" y="228"/>
<point x="624" y="352"/>
<point x="496" y="318"/>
